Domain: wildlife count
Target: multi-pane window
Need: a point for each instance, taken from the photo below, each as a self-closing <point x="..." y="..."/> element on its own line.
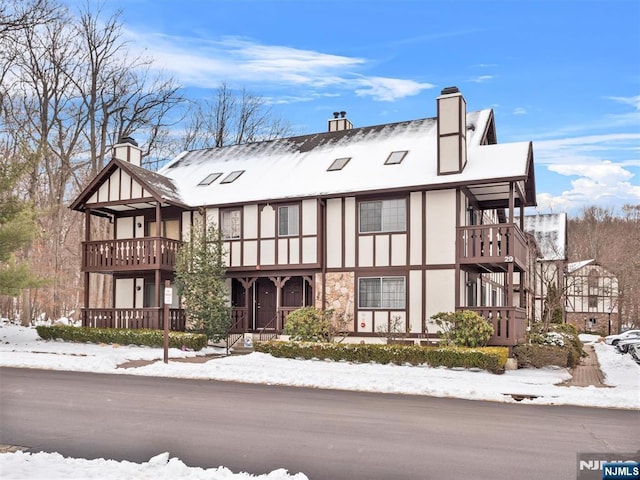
<point x="593" y="301"/>
<point x="288" y="220"/>
<point x="383" y="216"/>
<point x="381" y="292"/>
<point x="230" y="222"/>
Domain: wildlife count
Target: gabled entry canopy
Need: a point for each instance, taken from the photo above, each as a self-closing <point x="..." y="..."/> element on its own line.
<point x="122" y="186"/>
<point x="495" y="193"/>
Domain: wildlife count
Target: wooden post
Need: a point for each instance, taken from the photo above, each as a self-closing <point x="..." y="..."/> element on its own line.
<point x="167" y="303"/>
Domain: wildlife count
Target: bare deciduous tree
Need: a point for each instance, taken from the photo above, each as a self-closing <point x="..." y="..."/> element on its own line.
<point x="70" y="90"/>
<point x="614" y="242"/>
<point x="230" y="119"/>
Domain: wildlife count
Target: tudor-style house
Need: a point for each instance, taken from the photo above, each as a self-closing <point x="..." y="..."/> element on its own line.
<point x="383" y="223"/>
<point x="592" y="298"/>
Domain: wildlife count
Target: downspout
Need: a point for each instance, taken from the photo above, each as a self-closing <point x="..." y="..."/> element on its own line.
<point x="87" y="275"/>
<point x="323" y="253"/>
<point x="510" y="265"/>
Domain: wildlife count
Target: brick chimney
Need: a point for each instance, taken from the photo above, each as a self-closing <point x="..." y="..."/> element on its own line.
<point x="339" y="122"/>
<point x="127" y="150"/>
<point x="452" y="131"/>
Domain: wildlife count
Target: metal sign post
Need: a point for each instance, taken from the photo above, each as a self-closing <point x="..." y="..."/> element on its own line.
<point x="168" y="299"/>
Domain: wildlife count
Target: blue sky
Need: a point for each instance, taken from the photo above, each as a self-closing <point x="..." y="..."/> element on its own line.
<point x="564" y="74"/>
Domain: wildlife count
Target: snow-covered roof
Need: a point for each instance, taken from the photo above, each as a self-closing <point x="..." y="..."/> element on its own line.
<point x="163" y="186"/>
<point x="573" y="266"/>
<point x="550" y="232"/>
<point x="296" y="167"/>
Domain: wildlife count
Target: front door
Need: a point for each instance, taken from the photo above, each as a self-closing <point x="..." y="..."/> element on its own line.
<point x="266" y="303"/>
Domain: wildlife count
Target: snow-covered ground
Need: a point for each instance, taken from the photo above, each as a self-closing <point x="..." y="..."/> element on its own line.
<point x="21" y="347"/>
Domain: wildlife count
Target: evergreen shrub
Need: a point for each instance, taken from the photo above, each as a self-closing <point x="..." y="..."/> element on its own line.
<point x="142" y="337"/>
<point x="538" y="356"/>
<point x="309" y="324"/>
<point x="492" y="359"/>
<point x="563" y="336"/>
<point x="463" y="328"/>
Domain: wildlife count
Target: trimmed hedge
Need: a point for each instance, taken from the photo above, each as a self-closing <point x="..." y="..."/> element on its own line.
<point x="539" y="356"/>
<point x="149" y="338"/>
<point x="492" y="359"/>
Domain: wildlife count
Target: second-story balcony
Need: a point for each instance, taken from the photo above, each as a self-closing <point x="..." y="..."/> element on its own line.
<point x="131" y="254"/>
<point x="492" y="247"/>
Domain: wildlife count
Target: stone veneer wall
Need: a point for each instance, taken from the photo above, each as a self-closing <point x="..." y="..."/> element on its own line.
<point x="340" y="295"/>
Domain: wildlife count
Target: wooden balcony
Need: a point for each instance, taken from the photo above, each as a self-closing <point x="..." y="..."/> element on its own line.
<point x="132" y="254"/>
<point x="133" y="318"/>
<point x="509" y="324"/>
<point x="492" y="247"/>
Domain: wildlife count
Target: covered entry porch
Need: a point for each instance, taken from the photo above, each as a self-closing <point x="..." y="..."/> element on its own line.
<point x="262" y="303"/>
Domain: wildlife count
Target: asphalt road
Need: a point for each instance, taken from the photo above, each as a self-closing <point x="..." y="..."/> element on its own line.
<point x="324" y="433"/>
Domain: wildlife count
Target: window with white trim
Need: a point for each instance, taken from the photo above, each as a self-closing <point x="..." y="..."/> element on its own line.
<point x="230" y="223"/>
<point x="288" y="220"/>
<point x="383" y="216"/>
<point x="381" y="292"/>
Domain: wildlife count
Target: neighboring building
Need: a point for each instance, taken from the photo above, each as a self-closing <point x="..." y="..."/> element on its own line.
<point x="592" y="298"/>
<point x="548" y="276"/>
<point x="396" y="221"/>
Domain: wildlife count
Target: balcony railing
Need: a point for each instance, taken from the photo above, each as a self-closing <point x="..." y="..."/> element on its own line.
<point x="492" y="245"/>
<point x="133" y="318"/>
<point x="129" y="254"/>
<point x="509" y="324"/>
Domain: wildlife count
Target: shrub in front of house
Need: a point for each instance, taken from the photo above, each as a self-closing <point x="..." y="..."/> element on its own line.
<point x="463" y="328"/>
<point x="562" y="347"/>
<point x="539" y="356"/>
<point x="492" y="359"/>
<point x="148" y="338"/>
<point x="309" y="324"/>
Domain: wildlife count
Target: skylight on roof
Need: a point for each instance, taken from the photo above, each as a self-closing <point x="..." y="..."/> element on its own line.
<point x="209" y="179"/>
<point x="232" y="176"/>
<point x="396" y="157"/>
<point x="338" y="164"/>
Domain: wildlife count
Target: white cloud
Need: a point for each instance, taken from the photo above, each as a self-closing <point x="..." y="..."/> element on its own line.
<point x="605" y="184"/>
<point x="482" y="78"/>
<point x="604" y="173"/>
<point x="633" y="101"/>
<point x="588" y="149"/>
<point x="389" y="89"/>
<point x="206" y="63"/>
<point x="519" y="111"/>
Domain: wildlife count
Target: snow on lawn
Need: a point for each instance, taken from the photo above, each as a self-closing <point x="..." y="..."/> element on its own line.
<point x="21" y="347"/>
<point x="36" y="466"/>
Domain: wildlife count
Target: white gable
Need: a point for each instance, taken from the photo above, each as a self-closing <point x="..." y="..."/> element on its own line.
<point x="118" y="186"/>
